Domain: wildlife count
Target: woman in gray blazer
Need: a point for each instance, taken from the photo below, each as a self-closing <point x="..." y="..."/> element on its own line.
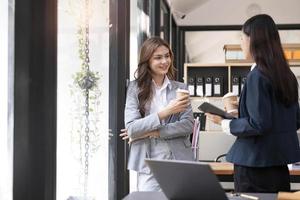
<point x="158" y="124"/>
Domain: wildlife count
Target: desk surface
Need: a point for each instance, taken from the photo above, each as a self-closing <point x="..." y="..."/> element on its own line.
<point x="225" y="168"/>
<point x="161" y="196"/>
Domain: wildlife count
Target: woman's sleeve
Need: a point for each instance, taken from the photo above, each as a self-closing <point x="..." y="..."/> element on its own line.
<point x="182" y="127"/>
<point x="258" y="102"/>
<point x="298" y="116"/>
<point x="135" y="124"/>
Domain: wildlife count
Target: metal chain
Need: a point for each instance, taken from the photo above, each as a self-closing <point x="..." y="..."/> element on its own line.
<point x="86" y="114"/>
<point x="87" y="145"/>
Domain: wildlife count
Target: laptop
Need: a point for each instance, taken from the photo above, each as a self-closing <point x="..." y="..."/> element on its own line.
<point x="186" y="180"/>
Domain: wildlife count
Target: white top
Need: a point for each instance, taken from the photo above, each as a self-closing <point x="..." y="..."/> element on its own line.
<point x="159" y="100"/>
<point x="226" y="122"/>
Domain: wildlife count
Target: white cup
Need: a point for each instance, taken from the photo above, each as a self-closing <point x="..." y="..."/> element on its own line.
<point x="228" y="100"/>
<point x="181" y="92"/>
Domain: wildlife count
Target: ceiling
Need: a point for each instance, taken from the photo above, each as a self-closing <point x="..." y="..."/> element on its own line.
<point x="232" y="12"/>
<point x="185" y="6"/>
<point x="204" y="46"/>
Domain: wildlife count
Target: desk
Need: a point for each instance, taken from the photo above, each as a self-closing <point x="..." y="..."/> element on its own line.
<point x="224" y="171"/>
<point x="161" y="196"/>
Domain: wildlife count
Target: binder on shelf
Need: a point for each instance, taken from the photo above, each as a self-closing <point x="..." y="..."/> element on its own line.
<point x="199" y="87"/>
<point x="191" y="86"/>
<point x="218" y="86"/>
<point x="235" y="85"/>
<point x="208" y="86"/>
<point x="243" y="81"/>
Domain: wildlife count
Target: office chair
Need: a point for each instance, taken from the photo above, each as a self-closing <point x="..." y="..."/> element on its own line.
<point x="218" y="159"/>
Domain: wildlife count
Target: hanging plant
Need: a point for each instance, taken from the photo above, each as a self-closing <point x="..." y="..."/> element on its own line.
<point x="86" y="79"/>
<point x="85" y="134"/>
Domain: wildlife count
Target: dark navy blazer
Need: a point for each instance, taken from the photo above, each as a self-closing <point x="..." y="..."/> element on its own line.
<point x="266" y="129"/>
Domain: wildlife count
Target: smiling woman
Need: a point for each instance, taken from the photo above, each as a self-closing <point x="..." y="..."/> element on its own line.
<point x="158" y="123"/>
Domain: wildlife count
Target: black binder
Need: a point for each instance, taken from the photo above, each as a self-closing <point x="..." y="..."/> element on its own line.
<point x="199" y="87"/>
<point x="191" y="86"/>
<point x="218" y="86"/>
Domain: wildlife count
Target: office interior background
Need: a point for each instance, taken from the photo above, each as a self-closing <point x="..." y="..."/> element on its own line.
<point x="59" y="134"/>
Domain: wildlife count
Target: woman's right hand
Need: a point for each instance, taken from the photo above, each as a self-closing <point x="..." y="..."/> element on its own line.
<point x="175" y="106"/>
<point x="235" y="112"/>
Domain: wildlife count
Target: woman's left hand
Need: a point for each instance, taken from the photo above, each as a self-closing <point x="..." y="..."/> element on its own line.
<point x="152" y="134"/>
<point x="124" y="134"/>
<point x="214" y="118"/>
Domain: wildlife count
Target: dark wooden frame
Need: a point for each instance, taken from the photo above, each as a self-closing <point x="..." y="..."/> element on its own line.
<point x="118" y="74"/>
<point x="34" y="146"/>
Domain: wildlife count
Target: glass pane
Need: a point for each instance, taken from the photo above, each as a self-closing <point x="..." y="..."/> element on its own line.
<point x="6" y="103"/>
<point x="82" y="101"/>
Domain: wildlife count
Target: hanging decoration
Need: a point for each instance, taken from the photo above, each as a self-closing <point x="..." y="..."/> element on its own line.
<point x="84" y="133"/>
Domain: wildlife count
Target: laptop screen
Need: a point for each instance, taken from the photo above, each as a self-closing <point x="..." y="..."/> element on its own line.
<point x="186" y="180"/>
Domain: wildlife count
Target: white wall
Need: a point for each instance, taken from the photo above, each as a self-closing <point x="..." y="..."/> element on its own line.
<point x="207" y="46"/>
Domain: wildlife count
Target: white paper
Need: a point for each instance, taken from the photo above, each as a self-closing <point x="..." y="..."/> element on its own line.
<point x="217" y="89"/>
<point x="235" y="89"/>
<point x="208" y="89"/>
<point x="199" y="90"/>
<point x="191" y="90"/>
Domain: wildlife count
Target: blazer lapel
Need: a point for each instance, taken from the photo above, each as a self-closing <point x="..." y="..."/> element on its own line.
<point x="241" y="100"/>
<point x="171" y="94"/>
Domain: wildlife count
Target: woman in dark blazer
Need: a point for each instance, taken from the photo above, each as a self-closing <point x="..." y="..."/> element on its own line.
<point x="266" y="138"/>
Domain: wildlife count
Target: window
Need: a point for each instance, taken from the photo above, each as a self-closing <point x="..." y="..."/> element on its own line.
<point x="82" y="120"/>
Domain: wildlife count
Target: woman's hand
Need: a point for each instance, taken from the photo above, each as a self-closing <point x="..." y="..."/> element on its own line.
<point x="151" y="134"/>
<point x="234" y="112"/>
<point x="124" y="134"/>
<point x="214" y="118"/>
<point x="175" y="106"/>
<point x="234" y="103"/>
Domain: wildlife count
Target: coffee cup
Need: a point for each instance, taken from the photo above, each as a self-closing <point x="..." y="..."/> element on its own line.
<point x="230" y="102"/>
<point x="181" y="92"/>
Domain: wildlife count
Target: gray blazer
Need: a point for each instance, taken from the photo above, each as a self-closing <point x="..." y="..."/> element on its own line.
<point x="175" y="132"/>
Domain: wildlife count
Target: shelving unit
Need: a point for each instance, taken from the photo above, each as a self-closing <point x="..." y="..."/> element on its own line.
<point x="212" y="141"/>
<point x="224" y="70"/>
<point x="233" y="53"/>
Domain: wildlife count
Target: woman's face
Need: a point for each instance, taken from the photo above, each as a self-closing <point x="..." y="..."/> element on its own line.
<point x="160" y="62"/>
<point x="245" y="45"/>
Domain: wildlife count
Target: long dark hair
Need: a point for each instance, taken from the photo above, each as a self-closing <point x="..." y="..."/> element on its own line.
<point x="143" y="72"/>
<point x="267" y="52"/>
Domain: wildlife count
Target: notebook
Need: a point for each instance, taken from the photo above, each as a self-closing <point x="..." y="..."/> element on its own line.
<point x="186" y="180"/>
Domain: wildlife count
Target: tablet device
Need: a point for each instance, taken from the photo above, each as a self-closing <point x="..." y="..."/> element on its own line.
<point x="210" y="108"/>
